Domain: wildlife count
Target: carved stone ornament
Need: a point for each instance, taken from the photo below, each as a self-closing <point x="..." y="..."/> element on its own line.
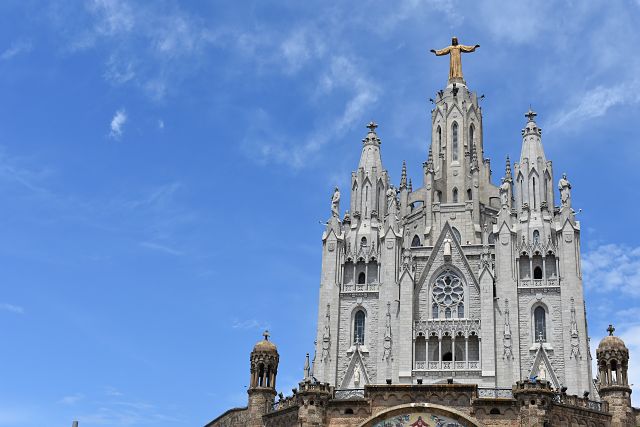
<point x="326" y="337"/>
<point x="331" y="246"/>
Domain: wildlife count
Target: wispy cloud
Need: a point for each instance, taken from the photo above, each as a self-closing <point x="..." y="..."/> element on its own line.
<point x="249" y="324"/>
<point x="11" y="308"/>
<point x="117" y="124"/>
<point x="596" y="103"/>
<point x="161" y="248"/>
<point x="612" y="267"/>
<point x="18" y="47"/>
<point x="71" y="399"/>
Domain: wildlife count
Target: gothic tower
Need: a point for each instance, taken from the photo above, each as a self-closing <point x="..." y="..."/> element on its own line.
<point x="613" y="364"/>
<point x="262" y="383"/>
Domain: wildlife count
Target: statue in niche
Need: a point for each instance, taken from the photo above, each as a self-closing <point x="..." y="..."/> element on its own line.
<point x="447" y="247"/>
<point x="335" y="203"/>
<point x="356" y="375"/>
<point x="565" y="191"/>
<point x="391" y="199"/>
<point x="504" y="193"/>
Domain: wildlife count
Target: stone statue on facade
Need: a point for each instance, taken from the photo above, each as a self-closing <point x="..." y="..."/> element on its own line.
<point x="335" y="203"/>
<point x="455" y="63"/>
<point x="356" y="375"/>
<point x="391" y="199"/>
<point x="504" y="193"/>
<point x="565" y="191"/>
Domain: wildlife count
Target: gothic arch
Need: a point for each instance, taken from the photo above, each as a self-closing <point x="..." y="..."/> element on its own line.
<point x="421" y="408"/>
<point x="547" y="320"/>
<point x="354" y="312"/>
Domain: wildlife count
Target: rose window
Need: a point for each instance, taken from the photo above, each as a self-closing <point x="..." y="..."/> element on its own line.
<point x="448" y="290"/>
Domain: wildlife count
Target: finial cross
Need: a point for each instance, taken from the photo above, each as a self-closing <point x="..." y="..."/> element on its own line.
<point x="540" y="338"/>
<point x="372" y="126"/>
<point x="611" y="329"/>
<point x="530" y="114"/>
<point x="265" y="334"/>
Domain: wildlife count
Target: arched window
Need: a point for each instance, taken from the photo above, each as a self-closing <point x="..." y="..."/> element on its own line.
<point x="439" y="138"/>
<point x="421" y="349"/>
<point x="358" y="327"/>
<point x="454" y="196"/>
<point x="540" y="322"/>
<point x="534" y="194"/>
<point x="536" y="236"/>
<point x="435" y="312"/>
<point x="469" y="194"/>
<point x="447" y="313"/>
<point x="460" y="311"/>
<point x="362" y="278"/>
<point x="456" y="234"/>
<point x="537" y="273"/>
<point x="454" y="141"/>
<point x="471" y="136"/>
<point x="415" y="242"/>
<point x="363" y="242"/>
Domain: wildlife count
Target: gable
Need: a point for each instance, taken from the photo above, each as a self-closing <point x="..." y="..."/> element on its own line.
<point x="356" y="375"/>
<point x="458" y="260"/>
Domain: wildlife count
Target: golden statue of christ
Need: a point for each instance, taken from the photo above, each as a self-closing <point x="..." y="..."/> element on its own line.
<point x="455" y="63"/>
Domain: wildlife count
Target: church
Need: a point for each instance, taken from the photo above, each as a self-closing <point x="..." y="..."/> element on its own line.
<point x="451" y="302"/>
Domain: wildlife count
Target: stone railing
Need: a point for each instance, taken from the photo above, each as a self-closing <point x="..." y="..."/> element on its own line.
<point x="539" y="283"/>
<point x="580" y="402"/>
<point x="284" y="403"/>
<point x="360" y="287"/>
<point x="458" y="365"/>
<point x="495" y="393"/>
<point x="452" y="326"/>
<point x="346" y="394"/>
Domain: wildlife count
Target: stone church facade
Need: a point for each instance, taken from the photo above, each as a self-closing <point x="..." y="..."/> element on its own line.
<point x="455" y="303"/>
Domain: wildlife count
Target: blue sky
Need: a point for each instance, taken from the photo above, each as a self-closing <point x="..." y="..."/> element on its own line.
<point x="164" y="167"/>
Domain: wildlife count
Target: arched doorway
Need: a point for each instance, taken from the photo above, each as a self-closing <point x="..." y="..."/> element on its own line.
<point x="412" y="413"/>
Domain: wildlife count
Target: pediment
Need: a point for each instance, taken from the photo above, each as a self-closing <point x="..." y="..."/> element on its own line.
<point x="356" y="375"/>
<point x="542" y="369"/>
<point x="436" y="259"/>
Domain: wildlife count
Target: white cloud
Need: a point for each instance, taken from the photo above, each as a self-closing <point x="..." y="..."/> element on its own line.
<point x="71" y="399"/>
<point x="12" y="308"/>
<point x="18" y="47"/>
<point x="249" y="324"/>
<point x="161" y="248"/>
<point x="631" y="337"/>
<point x="117" y="124"/>
<point x="160" y="124"/>
<point x="612" y="267"/>
<point x="596" y="102"/>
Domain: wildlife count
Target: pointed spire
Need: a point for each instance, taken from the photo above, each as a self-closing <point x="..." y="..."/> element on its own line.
<point x="429" y="162"/>
<point x="307" y="368"/>
<point x="507" y="169"/>
<point x="410" y="186"/>
<point x="403" y="177"/>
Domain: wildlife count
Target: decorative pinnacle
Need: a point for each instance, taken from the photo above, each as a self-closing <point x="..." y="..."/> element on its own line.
<point x="507" y="169"/>
<point x="372" y="126"/>
<point x="403" y="177"/>
<point x="531" y="115"/>
<point x="611" y="329"/>
<point x="265" y="334"/>
<point x="410" y="186"/>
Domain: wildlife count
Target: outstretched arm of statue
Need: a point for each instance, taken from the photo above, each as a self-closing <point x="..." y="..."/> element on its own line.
<point x="464" y="48"/>
<point x="441" y="51"/>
